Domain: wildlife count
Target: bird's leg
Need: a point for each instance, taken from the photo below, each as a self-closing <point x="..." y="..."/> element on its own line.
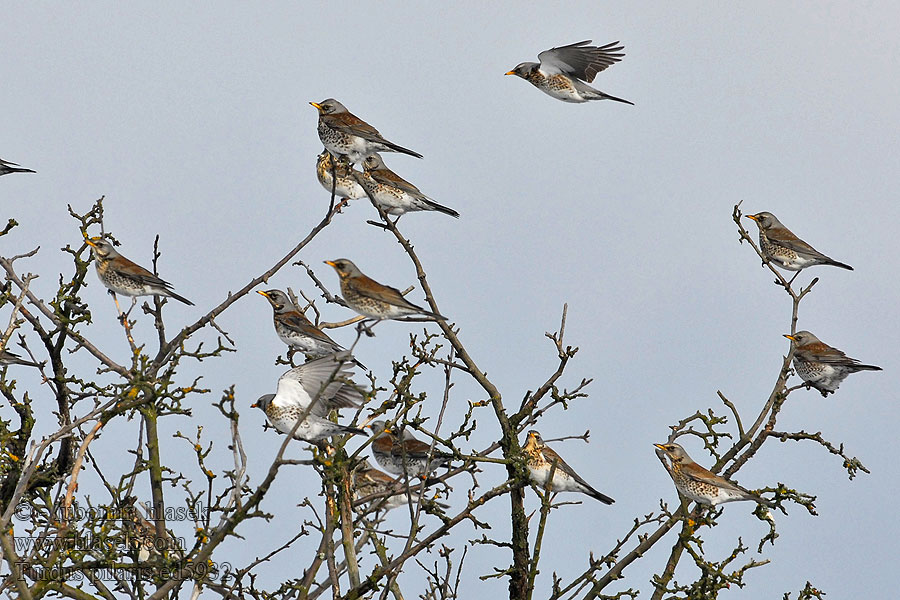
<point x="131" y="308"/>
<point x="123" y="317"/>
<point x="793" y="278"/>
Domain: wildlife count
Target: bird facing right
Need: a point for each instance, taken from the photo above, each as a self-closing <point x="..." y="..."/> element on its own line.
<point x="541" y="459"/>
<point x="563" y="71"/>
<point x="820" y="365"/>
<point x="783" y="248"/>
<point x="699" y="484"/>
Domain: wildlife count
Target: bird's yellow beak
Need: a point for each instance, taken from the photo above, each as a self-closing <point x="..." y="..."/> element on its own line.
<point x="331" y="263"/>
<point x="660" y="446"/>
<point x="510" y="73"/>
<point x="753" y="217"/>
<point x="254" y="405"/>
<point x="262" y="293"/>
<point x="90" y="242"/>
<point x="790" y="337"/>
<point x="317" y="105"/>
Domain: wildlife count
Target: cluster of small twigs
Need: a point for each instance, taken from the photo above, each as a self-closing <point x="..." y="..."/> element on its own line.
<point x="347" y="535"/>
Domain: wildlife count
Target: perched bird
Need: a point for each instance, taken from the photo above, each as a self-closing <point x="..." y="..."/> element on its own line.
<point x="699" y="484"/>
<point x="786" y="250"/>
<point x="121" y="276"/>
<point x="541" y="458"/>
<point x="9" y="358"/>
<point x="369" y="481"/>
<point x="347" y="186"/>
<point x="345" y="134"/>
<point x="371" y="299"/>
<point x="295" y="329"/>
<point x="562" y="72"/>
<point x="7" y="167"/>
<point x="822" y="366"/>
<point x="404" y="455"/>
<point x="315" y="388"/>
<point x="393" y="194"/>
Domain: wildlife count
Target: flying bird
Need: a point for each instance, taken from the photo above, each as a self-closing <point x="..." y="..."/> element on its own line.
<point x="701" y="485"/>
<point x="541" y="460"/>
<point x="822" y="366"/>
<point x="393" y="194"/>
<point x="314" y="389"/>
<point x="345" y="134"/>
<point x="565" y="72"/>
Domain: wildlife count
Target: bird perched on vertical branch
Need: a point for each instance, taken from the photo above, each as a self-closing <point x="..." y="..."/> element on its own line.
<point x="784" y="249"/>
<point x="699" y="484"/>
<point x="565" y="72"/>
<point x="345" y="134"/>
<point x="393" y="194"/>
<point x="822" y="366"/>
<point x="541" y="459"/>
<point x="372" y="299"/>
<point x="347" y="186"/>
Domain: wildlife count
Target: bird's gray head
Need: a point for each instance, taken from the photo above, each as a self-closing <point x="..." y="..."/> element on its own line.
<point x="344" y="267"/>
<point x="802" y="338"/>
<point x="674" y="452"/>
<point x="278" y="299"/>
<point x="372" y="162"/>
<point x="534" y="438"/>
<point x="765" y="220"/>
<point x="263" y="402"/>
<point x="329" y="107"/>
<point x="523" y="69"/>
<point x="378" y="427"/>
<point x="101" y="247"/>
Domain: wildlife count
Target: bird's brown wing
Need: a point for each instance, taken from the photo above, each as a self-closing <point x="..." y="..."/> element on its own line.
<point x="371" y="288"/>
<point x="388" y="177"/>
<point x="785" y="237"/>
<point x="349" y="123"/>
<point x="822" y="352"/>
<point x="296" y="321"/>
<point x="138" y="272"/>
<point x="581" y="62"/>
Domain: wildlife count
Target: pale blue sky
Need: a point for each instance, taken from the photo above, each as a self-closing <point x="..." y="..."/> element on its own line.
<point x="194" y="123"/>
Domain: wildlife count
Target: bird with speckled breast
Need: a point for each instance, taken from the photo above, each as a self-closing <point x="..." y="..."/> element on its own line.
<point x="372" y="299"/>
<point x="122" y="276"/>
<point x="347" y="186"/>
<point x="345" y="134"/>
<point x="541" y="459"/>
<point x="699" y="484"/>
<point x="564" y="72"/>
<point x="786" y="250"/>
<point x="314" y="390"/>
<point x="822" y="366"/>
<point x="393" y="194"/>
<point x="404" y="454"/>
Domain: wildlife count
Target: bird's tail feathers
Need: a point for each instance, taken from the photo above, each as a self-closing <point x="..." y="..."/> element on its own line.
<point x="401" y="149"/>
<point x="441" y="208"/>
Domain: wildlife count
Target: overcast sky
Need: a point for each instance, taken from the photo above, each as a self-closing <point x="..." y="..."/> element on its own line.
<point x="194" y="122"/>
